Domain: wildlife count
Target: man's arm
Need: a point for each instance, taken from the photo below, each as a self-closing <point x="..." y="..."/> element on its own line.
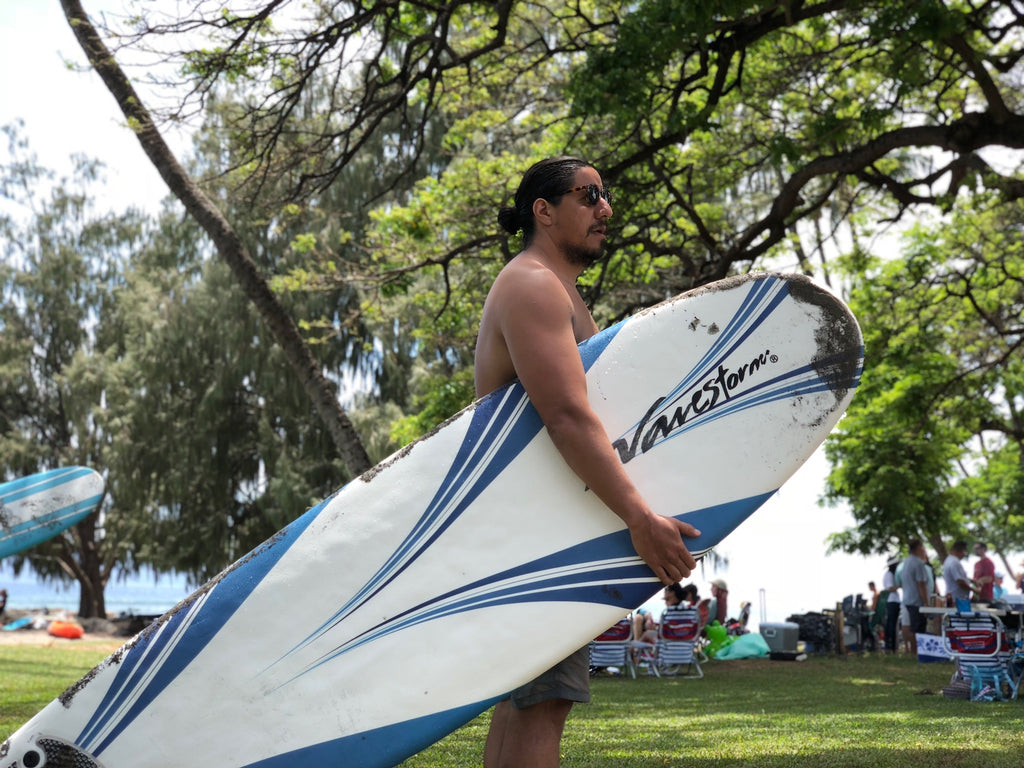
<point x="537" y="326"/>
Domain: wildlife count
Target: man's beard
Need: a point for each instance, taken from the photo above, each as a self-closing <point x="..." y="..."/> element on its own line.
<point x="581" y="256"/>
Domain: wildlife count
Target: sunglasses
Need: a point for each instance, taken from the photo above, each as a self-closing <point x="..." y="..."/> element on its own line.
<point x="594" y="193"/>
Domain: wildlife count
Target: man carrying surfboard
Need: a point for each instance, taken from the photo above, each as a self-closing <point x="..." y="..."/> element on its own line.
<point x="532" y="321"/>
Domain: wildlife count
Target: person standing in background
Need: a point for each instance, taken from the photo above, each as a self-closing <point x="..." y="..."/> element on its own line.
<point x="720" y="599"/>
<point x="892" y="606"/>
<point x="915" y="589"/>
<point x="998" y="590"/>
<point x="984" y="572"/>
<point x="958" y="586"/>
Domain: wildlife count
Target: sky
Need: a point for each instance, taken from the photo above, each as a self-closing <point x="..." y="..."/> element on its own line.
<point x="777" y="560"/>
<point x="67" y="112"/>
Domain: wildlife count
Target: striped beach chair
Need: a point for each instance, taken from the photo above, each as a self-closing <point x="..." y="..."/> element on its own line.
<point x="983" y="655"/>
<point x="678" y="638"/>
<point x="613" y="648"/>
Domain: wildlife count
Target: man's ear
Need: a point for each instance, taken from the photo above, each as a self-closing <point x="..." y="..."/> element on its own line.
<point x="543" y="211"/>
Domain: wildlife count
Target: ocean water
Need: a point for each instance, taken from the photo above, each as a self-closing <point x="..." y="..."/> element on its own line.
<point x="142" y="595"/>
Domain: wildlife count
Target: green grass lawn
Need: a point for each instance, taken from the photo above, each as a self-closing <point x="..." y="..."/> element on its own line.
<point x="867" y="711"/>
<point x="31" y="676"/>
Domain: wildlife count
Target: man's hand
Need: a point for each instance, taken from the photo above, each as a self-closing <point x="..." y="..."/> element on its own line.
<point x="659" y="541"/>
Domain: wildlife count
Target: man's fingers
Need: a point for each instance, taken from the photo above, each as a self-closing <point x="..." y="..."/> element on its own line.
<point x="670" y="560"/>
<point x="663" y="576"/>
<point x="686" y="529"/>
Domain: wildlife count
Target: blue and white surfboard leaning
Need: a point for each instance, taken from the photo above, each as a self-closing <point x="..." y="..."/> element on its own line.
<point x="38" y="507"/>
<point x="471" y="560"/>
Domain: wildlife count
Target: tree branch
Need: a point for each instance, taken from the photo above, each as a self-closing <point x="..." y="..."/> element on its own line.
<point x="228" y="243"/>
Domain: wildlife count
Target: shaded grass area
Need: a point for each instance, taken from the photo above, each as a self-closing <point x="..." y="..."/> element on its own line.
<point x="871" y="711"/>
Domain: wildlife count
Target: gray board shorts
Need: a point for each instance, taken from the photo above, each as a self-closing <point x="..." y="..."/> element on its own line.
<point x="569" y="679"/>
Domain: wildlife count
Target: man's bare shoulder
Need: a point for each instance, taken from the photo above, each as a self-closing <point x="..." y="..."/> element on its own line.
<point x="527" y="303"/>
<point x="527" y="272"/>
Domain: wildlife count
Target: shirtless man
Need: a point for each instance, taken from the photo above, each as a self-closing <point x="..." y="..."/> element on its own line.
<point x="532" y="321"/>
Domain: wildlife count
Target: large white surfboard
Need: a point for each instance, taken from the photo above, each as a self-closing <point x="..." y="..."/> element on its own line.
<point x="471" y="560"/>
<point x="38" y="507"/>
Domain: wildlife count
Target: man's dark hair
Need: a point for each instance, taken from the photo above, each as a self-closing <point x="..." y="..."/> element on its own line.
<point x="547" y="179"/>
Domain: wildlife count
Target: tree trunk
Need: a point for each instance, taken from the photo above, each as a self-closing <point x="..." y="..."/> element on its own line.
<point x="229" y="245"/>
<point x="939" y="544"/>
<point x="86" y="569"/>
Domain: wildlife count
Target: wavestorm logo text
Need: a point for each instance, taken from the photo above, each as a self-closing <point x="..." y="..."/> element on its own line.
<point x="662" y="420"/>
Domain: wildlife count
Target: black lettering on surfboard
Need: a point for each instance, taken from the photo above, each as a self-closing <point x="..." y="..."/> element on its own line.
<point x="657" y="425"/>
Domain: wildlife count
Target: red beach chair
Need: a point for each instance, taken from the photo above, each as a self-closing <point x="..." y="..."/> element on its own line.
<point x="613" y="647"/>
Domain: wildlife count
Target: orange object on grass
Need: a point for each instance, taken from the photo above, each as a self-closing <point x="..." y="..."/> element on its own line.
<point x="69" y="629"/>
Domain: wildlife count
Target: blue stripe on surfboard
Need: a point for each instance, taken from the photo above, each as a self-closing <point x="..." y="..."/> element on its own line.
<point x="382" y="747"/>
<point x="604" y="570"/>
<point x="42" y="482"/>
<point x="762" y="298"/>
<point x="453" y="496"/>
<point x="29" y="533"/>
<point x="502" y="425"/>
<point x="166" y="649"/>
<point x="389" y="745"/>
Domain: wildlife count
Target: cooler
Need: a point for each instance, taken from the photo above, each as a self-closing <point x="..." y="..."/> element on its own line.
<point x="781" y="637"/>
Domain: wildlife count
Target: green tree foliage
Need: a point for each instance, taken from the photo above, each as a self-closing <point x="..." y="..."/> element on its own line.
<point x="221" y="449"/>
<point x="734" y="131"/>
<point x="126" y="348"/>
<point x="723" y="123"/>
<point x="736" y="134"/>
<point x="225" y="238"/>
<point x="931" y="446"/>
<point x="60" y="268"/>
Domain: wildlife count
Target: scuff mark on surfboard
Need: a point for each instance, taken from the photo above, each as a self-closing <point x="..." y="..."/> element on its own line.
<point x="712" y="329"/>
<point x="69" y="695"/>
<point x="369" y="475"/>
<point x="612" y="592"/>
<point x="838" y="358"/>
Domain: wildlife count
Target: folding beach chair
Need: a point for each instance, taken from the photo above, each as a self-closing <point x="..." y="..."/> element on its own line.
<point x="678" y="638"/>
<point x="983" y="655"/>
<point x="613" y="647"/>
